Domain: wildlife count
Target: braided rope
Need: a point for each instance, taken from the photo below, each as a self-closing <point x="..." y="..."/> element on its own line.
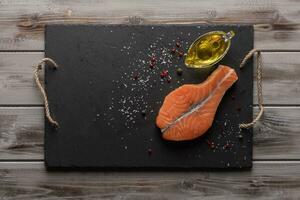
<point x="42" y="90"/>
<point x="259" y="85"/>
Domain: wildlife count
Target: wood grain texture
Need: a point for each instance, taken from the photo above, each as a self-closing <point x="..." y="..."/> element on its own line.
<point x="277" y="26"/>
<point x="22" y="22"/>
<point x="276" y="136"/>
<point x="17" y="85"/>
<point x="267" y="180"/>
<point x="280" y="78"/>
<point x="21" y="133"/>
<point x="281" y="83"/>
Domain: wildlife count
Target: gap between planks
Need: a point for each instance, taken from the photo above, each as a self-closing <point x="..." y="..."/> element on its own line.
<point x="276" y="22"/>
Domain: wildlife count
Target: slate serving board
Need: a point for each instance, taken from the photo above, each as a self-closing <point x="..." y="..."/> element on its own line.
<point x="106" y="97"/>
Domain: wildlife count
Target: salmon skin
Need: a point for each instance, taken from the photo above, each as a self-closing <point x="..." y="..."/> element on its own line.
<point x="188" y="111"/>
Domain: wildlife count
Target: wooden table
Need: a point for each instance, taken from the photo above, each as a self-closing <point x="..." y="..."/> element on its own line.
<point x="276" y="170"/>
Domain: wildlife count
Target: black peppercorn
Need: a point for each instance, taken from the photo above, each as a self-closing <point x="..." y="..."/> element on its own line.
<point x="143" y="112"/>
<point x="240" y="136"/>
<point x="179" y="71"/>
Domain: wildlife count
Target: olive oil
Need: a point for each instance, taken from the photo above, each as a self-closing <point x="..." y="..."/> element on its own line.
<point x="208" y="49"/>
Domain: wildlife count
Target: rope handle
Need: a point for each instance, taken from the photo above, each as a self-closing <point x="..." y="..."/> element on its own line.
<point x="244" y="61"/>
<point x="37" y="68"/>
<point x="259" y="85"/>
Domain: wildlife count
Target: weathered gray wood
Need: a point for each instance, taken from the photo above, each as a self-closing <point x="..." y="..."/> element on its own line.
<point x="22" y="22"/>
<point x="280" y="82"/>
<point x="21" y="133"/>
<point x="17" y="85"/>
<point x="276" y="136"/>
<point x="267" y="180"/>
<point x="21" y="128"/>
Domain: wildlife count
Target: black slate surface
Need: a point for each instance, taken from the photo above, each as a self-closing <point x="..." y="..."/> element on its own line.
<point x="98" y="103"/>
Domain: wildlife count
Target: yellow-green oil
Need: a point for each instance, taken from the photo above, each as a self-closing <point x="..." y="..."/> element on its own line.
<point x="208" y="49"/>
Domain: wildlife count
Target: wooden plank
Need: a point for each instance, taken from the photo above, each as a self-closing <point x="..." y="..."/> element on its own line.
<point x="22" y="22"/>
<point x="267" y="180"/>
<point x="280" y="82"/>
<point x="17" y="85"/>
<point x="277" y="136"/>
<point x="21" y="133"/>
<point x="22" y="128"/>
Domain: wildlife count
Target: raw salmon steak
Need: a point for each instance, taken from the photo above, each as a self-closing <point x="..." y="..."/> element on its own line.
<point x="188" y="111"/>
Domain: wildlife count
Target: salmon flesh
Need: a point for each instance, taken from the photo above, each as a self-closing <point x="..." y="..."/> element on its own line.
<point x="188" y="111"/>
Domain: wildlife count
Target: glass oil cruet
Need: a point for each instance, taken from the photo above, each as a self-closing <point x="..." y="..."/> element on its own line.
<point x="208" y="49"/>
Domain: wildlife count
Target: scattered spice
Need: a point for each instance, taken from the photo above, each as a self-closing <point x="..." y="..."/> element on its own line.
<point x="180" y="54"/>
<point x="169" y="79"/>
<point x="240" y="136"/>
<point x="227" y="146"/>
<point x="238" y="109"/>
<point x="136" y="77"/>
<point x="149" y="152"/>
<point x="233" y="97"/>
<point x="151" y="65"/>
<point x="153" y="59"/>
<point x="154" y="66"/>
<point x="179" y="71"/>
<point x="173" y="51"/>
<point x="210" y="144"/>
<point x="143" y="112"/>
<point x="164" y="74"/>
